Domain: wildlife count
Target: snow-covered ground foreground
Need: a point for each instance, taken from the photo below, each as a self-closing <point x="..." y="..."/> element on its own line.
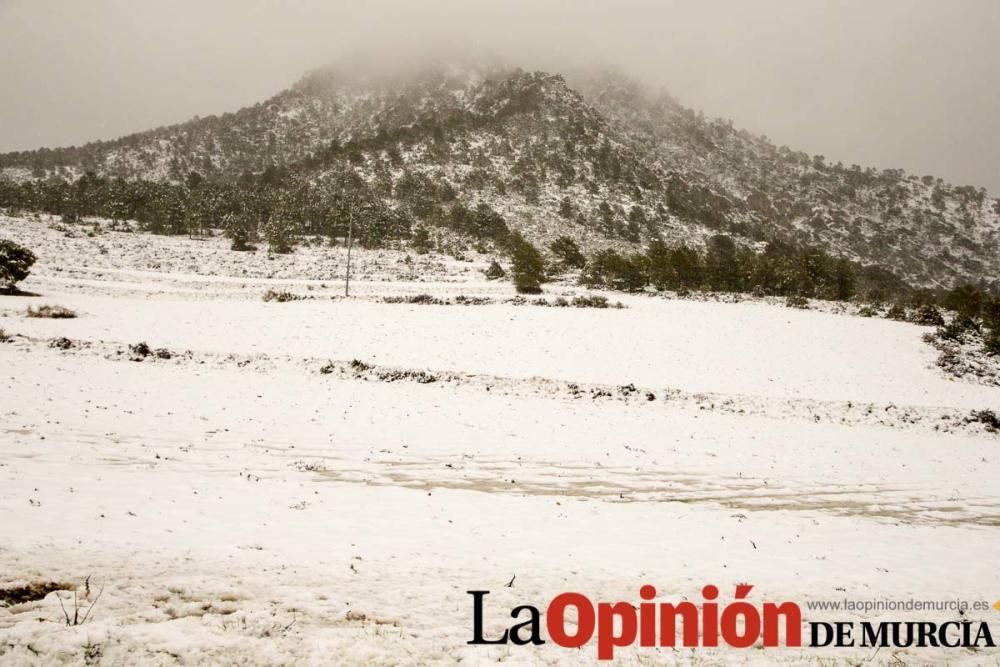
<point x="234" y="504"/>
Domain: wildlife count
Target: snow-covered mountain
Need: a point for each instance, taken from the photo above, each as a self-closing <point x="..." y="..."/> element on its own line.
<point x="596" y="156"/>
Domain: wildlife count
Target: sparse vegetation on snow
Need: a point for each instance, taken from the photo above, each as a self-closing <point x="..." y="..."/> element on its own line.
<point x="50" y="312"/>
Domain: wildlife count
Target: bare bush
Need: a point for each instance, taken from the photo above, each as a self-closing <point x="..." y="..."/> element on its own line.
<point x="141" y="350"/>
<point x="51" y="312"/>
<point x="61" y="343"/>
<point x="281" y="297"/>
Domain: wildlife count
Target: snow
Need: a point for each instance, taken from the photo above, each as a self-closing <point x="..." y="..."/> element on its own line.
<point x="738" y="348"/>
<point x="236" y="505"/>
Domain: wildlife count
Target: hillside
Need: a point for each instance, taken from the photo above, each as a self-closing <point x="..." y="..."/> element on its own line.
<point x="597" y="157"/>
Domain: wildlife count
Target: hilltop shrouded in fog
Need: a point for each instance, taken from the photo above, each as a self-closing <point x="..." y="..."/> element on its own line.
<point x="893" y="84"/>
<point x="596" y="156"/>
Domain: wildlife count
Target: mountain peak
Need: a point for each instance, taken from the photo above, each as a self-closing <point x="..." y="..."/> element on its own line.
<point x="596" y="155"/>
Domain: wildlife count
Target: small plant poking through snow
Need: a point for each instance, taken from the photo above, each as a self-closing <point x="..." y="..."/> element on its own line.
<point x="51" y="312"/>
<point x="75" y="618"/>
<point x="5" y="337"/>
<point x="61" y="343"/>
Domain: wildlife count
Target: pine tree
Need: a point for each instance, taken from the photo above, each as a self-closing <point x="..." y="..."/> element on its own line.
<point x="527" y="270"/>
<point x="15" y="263"/>
<point x="661" y="273"/>
<point x="567" y="253"/>
<point x="844" y="283"/>
<point x="721" y="264"/>
<point x="566" y="208"/>
<point x="420" y="241"/>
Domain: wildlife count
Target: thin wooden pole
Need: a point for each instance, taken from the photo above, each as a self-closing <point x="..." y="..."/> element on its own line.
<point x="350" y="234"/>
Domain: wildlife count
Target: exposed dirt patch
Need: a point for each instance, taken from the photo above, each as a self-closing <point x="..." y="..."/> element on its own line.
<point x="30" y="592"/>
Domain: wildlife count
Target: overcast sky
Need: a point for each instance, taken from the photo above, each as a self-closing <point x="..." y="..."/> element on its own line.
<point x="888" y="83"/>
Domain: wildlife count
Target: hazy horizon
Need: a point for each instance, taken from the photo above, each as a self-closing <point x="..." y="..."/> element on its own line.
<point x="897" y="84"/>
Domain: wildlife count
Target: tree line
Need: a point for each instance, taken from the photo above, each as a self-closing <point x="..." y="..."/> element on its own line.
<point x="780" y="269"/>
<point x="273" y="205"/>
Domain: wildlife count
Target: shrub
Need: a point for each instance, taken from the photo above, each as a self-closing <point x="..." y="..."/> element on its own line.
<point x="5" y="337"/>
<point x="51" y="312"/>
<point x="423" y="299"/>
<point x="418" y="299"/>
<point x="868" y="310"/>
<point x="392" y="375"/>
<point x="15" y="263"/>
<point x="61" y="343"/>
<point x="965" y="300"/>
<point x="527" y="267"/>
<point x="957" y="329"/>
<point x="992" y="344"/>
<point x="463" y="300"/>
<point x="896" y="312"/>
<point x="421" y="241"/>
<point x="609" y="269"/>
<point x="797" y="301"/>
<point x="928" y="316"/>
<point x="241" y="229"/>
<point x="991" y="313"/>
<point x="595" y="301"/>
<point x="280" y="297"/>
<point x="494" y="271"/>
<point x="280" y="236"/>
<point x="141" y="350"/>
<point x="986" y="417"/>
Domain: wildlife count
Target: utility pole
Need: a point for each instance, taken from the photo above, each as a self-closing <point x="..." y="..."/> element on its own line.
<point x="350" y="234"/>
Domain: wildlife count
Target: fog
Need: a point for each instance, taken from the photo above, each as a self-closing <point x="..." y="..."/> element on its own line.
<point x="894" y="83"/>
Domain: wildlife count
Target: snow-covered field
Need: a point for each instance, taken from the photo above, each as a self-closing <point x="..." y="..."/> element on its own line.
<point x="234" y="504"/>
